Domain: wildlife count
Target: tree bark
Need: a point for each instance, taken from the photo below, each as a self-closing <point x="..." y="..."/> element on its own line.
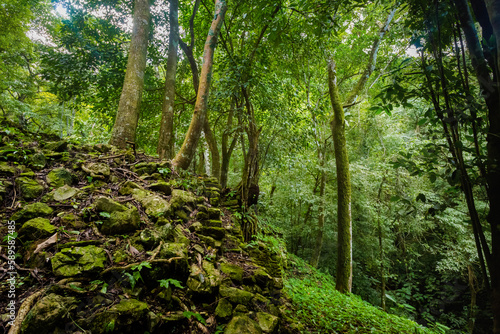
<point x="166" y="140"/>
<point x="127" y="116"/>
<point x="188" y="149"/>
<point x="321" y="211"/>
<point x="344" y="220"/>
<point x="214" y="151"/>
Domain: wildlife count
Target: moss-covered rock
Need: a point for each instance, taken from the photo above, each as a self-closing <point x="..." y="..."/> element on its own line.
<point x="234" y="272"/>
<point x="181" y="198"/>
<point x="162" y="187"/>
<point x="31" y="211"/>
<point x="242" y="324"/>
<point x="128" y="316"/>
<point x="64" y="193"/>
<point x="59" y="146"/>
<point x="121" y="222"/>
<point x="218" y="233"/>
<point x="6" y="169"/>
<point x="97" y="170"/>
<point x="267" y="322"/>
<point x="47" y="314"/>
<point x="59" y="177"/>
<point x="38" y="161"/>
<point x="235" y="295"/>
<point x="104" y="204"/>
<point x="169" y="250"/>
<point x="30" y="189"/>
<point x="70" y="219"/>
<point x="37" y="228"/>
<point x="145" y="168"/>
<point x="78" y="261"/>
<point x="224" y="309"/>
<point x="154" y="205"/>
<point x="128" y="187"/>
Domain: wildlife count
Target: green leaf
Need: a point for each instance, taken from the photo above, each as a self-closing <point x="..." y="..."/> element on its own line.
<point x="395" y="198"/>
<point x="104" y="214"/>
<point x="421" y="197"/>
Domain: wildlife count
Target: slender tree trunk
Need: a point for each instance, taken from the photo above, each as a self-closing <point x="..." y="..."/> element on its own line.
<point x="127" y="116"/>
<point x="491" y="94"/>
<point x="344" y="247"/>
<point x="228" y="148"/>
<point x="166" y="140"/>
<point x="188" y="149"/>
<point x="321" y="211"/>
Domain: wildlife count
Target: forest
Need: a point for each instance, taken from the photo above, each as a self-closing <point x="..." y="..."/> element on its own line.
<point x="359" y="139"/>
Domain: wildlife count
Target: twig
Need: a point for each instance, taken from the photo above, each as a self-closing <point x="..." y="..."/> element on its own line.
<point x="112" y="157"/>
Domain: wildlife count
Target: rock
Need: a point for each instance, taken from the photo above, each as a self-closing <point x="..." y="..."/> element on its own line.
<point x="38" y="161"/>
<point x="181" y="198"/>
<point x="218" y="233"/>
<point x="121" y="222"/>
<point x="30" y="189"/>
<point x="145" y="168"/>
<point x="180" y="237"/>
<point x="37" y="228"/>
<point x="214" y="213"/>
<point x="47" y="313"/>
<point x="149" y="237"/>
<point x="104" y="204"/>
<point x="70" y="219"/>
<point x="78" y="261"/>
<point x="59" y="177"/>
<point x="213" y="223"/>
<point x="63" y="193"/>
<point x="240" y="310"/>
<point x="31" y="211"/>
<point x="224" y="309"/>
<point x="97" y="170"/>
<point x="267" y="322"/>
<point x="59" y="146"/>
<point x="234" y="272"/>
<point x="154" y="205"/>
<point x="235" y="295"/>
<point x="7" y="170"/>
<point x="128" y="187"/>
<point x="242" y="324"/>
<point x="169" y="250"/>
<point x="162" y="187"/>
<point x="262" y="278"/>
<point x="128" y="316"/>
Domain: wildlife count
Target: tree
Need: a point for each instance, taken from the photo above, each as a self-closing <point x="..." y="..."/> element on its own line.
<point x="127" y="116"/>
<point x="166" y="140"/>
<point x="186" y="153"/>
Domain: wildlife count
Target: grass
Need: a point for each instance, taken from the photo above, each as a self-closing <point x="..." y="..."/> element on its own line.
<point x="322" y="309"/>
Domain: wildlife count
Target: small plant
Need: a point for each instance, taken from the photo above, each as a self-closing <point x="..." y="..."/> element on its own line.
<point x="136" y="273"/>
<point x="189" y="314"/>
<point x="165" y="283"/>
<point x="104" y="214"/>
<point x="164" y="171"/>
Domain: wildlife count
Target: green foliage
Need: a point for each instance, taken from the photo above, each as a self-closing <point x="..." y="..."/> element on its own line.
<point x="197" y="316"/>
<point x="165" y="283"/>
<point x="322" y="309"/>
<point x="136" y="273"/>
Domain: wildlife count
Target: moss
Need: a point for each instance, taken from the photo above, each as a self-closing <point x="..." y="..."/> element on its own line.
<point x="30" y="189"/>
<point x="242" y="324"/>
<point x="78" y="261"/>
<point x="47" y="314"/>
<point x="37" y="228"/>
<point x="59" y="177"/>
<point x="31" y="211"/>
<point x="121" y="222"/>
<point x="234" y="272"/>
<point x="235" y="295"/>
<point x="224" y="309"/>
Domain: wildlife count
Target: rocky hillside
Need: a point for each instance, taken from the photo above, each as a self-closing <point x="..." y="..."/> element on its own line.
<point x="109" y="241"/>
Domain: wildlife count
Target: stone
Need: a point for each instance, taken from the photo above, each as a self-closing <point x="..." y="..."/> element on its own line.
<point x="181" y="198"/>
<point x="218" y="233"/>
<point x="162" y="187"/>
<point x="169" y="250"/>
<point x="121" y="222"/>
<point x="235" y="295"/>
<point x="234" y="272"/>
<point x="144" y="168"/>
<point x="38" y="161"/>
<point x="98" y="170"/>
<point x="128" y="187"/>
<point x="240" y="309"/>
<point x="6" y="169"/>
<point x="242" y="324"/>
<point x="224" y="309"/>
<point x="47" y="313"/>
<point x="154" y="205"/>
<point x="180" y="237"/>
<point x="63" y="193"/>
<point x="267" y="322"/>
<point x="149" y="237"/>
<point x="59" y="146"/>
<point x="262" y="278"/>
<point x="104" y="204"/>
<point x="30" y="189"/>
<point x="214" y="213"/>
<point x="70" y="219"/>
<point x="59" y="177"/>
<point x="128" y="316"/>
<point x="37" y="228"/>
<point x="213" y="223"/>
<point x="78" y="261"/>
<point x="31" y="211"/>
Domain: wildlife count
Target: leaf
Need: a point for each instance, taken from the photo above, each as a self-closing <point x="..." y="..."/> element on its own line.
<point x="50" y="241"/>
<point x="395" y="198"/>
<point x="421" y="197"/>
<point x="104" y="214"/>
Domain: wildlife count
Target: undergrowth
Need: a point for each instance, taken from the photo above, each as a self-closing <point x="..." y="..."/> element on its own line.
<point x="322" y="309"/>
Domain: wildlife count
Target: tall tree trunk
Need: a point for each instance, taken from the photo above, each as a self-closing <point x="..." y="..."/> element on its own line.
<point x="166" y="140"/>
<point x="127" y="116"/>
<point x="491" y="94"/>
<point x="228" y="148"/>
<point x="188" y="149"/>
<point x="321" y="210"/>
<point x="344" y="220"/>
